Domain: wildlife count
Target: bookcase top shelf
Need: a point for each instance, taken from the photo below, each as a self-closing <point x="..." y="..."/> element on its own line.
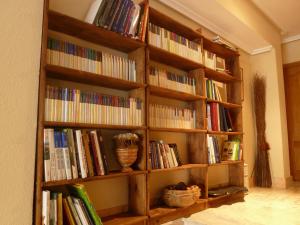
<point x="171" y="59"/>
<point x="89" y="32"/>
<point x="169" y="93"/>
<point x="63" y="73"/>
<point x="218" y="49"/>
<point x="226" y="104"/>
<point x="92" y="126"/>
<point x="111" y="175"/>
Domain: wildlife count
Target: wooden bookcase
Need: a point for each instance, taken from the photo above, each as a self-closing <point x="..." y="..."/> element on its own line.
<point x="144" y="205"/>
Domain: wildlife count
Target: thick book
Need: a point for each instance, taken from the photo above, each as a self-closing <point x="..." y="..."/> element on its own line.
<point x="86" y="146"/>
<point x="100" y="12"/>
<point x="79" y="191"/>
<point x="91" y="14"/>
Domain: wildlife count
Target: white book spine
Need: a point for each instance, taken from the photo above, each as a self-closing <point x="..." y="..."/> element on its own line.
<point x="46" y="208"/>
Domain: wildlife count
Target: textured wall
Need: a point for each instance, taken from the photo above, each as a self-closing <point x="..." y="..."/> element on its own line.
<point x="20" y="41"/>
<point x="291" y="52"/>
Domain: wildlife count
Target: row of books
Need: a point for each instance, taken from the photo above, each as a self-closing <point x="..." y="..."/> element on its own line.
<point x="231" y="150"/>
<point x="163" y="78"/>
<point x="216" y="90"/>
<point x="171" y="116"/>
<point x="74" y="208"/>
<point x="66" y="54"/>
<point x="218" y="118"/>
<point x="73" y="105"/>
<point x="122" y="16"/>
<point x="162" y="155"/>
<point x="71" y="154"/>
<point x="214" y="62"/>
<point x="172" y="42"/>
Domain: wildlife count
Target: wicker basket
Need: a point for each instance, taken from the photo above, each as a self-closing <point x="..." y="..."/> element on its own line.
<point x="181" y="198"/>
<point x="126" y="157"/>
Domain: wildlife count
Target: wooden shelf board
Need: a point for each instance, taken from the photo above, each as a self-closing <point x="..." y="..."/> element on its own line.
<point x="226" y="199"/>
<point x="218" y="76"/>
<point x="62" y="73"/>
<point x="225" y="133"/>
<point x="124" y="219"/>
<point x="226" y="104"/>
<point x="171" y="59"/>
<point x="183" y="167"/>
<point x="89" y="32"/>
<point x="164" y="214"/>
<point x="222" y="163"/>
<point x="169" y="93"/>
<point x="178" y="130"/>
<point x="218" y="49"/>
<point x="111" y="175"/>
<point x="162" y="20"/>
<point x="92" y="126"/>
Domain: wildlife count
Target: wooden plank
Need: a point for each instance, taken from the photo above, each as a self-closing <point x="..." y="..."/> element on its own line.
<point x="62" y="73"/>
<point x="171" y="59"/>
<point x="89" y="32"/>
<point x="218" y="76"/>
<point x="92" y="126"/>
<point x="183" y="167"/>
<point x="164" y="21"/>
<point x="124" y="219"/>
<point x="165" y="214"/>
<point x="169" y="93"/>
<point x="178" y="130"/>
<point x="112" y="175"/>
<point x="227" y="105"/>
<point x="218" y="49"/>
<point x="224" y="163"/>
<point x="226" y="199"/>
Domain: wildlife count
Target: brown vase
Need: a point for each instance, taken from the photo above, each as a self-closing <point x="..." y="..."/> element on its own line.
<point x="126" y="157"/>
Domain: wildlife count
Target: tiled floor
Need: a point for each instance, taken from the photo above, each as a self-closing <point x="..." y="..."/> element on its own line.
<point x="261" y="207"/>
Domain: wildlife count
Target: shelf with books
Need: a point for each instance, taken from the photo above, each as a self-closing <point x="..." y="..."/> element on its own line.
<point x="182" y="167"/>
<point x="124" y="219"/>
<point x="68" y="74"/>
<point x="169" y="93"/>
<point x="162" y="214"/>
<point x="92" y="126"/>
<point x="218" y="49"/>
<point x="89" y="32"/>
<point x="111" y="175"/>
<point x="177" y="130"/>
<point x="168" y="58"/>
<point x="227" y="105"/>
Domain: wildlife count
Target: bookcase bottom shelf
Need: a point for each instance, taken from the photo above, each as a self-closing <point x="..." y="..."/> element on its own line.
<point x="163" y="214"/>
<point x="229" y="162"/>
<point x="125" y="219"/>
<point x="226" y="199"/>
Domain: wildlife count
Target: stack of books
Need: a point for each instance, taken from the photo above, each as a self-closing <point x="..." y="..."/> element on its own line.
<point x="71" y="154"/>
<point x="216" y="91"/>
<point x="178" y="82"/>
<point x="73" y="208"/>
<point x="214" y="62"/>
<point x="121" y="16"/>
<point x="162" y="155"/>
<point x="171" y="117"/>
<point x="73" y="105"/>
<point x="218" y="118"/>
<point x="66" y="54"/>
<point x="232" y="150"/>
<point x="174" y="43"/>
<point x="213" y="150"/>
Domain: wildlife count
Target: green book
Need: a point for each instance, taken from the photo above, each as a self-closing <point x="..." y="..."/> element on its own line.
<point x="79" y="191"/>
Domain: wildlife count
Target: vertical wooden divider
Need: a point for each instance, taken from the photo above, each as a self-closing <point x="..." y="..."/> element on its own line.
<point x="40" y="121"/>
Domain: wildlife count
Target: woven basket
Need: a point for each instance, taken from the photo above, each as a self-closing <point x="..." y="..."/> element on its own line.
<point x="181" y="198"/>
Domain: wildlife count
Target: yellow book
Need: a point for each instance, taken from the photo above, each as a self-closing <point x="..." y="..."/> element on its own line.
<point x="59" y="209"/>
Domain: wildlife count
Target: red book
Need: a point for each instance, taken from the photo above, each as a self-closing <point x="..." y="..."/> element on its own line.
<point x="214" y="116"/>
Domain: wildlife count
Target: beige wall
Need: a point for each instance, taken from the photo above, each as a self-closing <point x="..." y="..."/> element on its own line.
<point x="20" y="41"/>
<point x="291" y="52"/>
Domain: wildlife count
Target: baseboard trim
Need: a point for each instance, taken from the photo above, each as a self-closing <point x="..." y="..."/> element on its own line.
<point x="282" y="182"/>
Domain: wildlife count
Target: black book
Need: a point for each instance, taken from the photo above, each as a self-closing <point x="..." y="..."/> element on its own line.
<point x="104" y="17"/>
<point x="225" y="124"/>
<point x="216" y="149"/>
<point x="115" y="13"/>
<point x="111" y="14"/>
<point x="100" y="12"/>
<point x="119" y="15"/>
<point x="228" y="119"/>
<point x="125" y="17"/>
<point x="102" y="151"/>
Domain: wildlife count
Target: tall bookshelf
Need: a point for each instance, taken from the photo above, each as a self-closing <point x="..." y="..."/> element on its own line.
<point x="143" y="194"/>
